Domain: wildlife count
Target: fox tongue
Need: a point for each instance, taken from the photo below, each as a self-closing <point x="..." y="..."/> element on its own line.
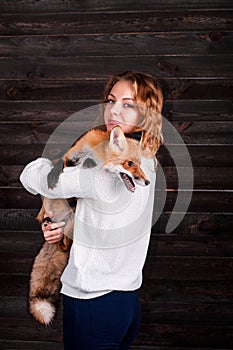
<point x="128" y="182"/>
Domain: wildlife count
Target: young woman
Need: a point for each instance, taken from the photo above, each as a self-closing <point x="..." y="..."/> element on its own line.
<point x="99" y="284"/>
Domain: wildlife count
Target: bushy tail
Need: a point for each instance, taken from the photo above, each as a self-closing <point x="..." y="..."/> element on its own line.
<point x="45" y="285"/>
<point x="42" y="310"/>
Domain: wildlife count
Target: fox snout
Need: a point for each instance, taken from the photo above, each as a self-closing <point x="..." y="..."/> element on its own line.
<point x="134" y="170"/>
<point x="147" y="182"/>
<point x="143" y="182"/>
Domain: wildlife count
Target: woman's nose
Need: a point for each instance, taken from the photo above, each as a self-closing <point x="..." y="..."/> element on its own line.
<point x="116" y="108"/>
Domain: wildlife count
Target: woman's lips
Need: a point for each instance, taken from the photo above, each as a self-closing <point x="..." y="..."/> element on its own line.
<point x="113" y="122"/>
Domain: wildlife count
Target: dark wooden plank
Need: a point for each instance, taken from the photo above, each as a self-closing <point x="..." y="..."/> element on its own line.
<point x="197" y="336"/>
<point x="204" y="178"/>
<point x="28" y="242"/>
<point x="48" y="6"/>
<point x="124" y="43"/>
<point x="159" y="334"/>
<point x="100" y="67"/>
<point x="188" y="268"/>
<point x="176" y="312"/>
<point x="59" y="111"/>
<point x="193" y="133"/>
<point x="218" y="314"/>
<point x="202" y="110"/>
<point x="205" y="133"/>
<point x="53" y="91"/>
<point x="28" y="329"/>
<point x="201" y="155"/>
<point x="12" y="307"/>
<point x="210" y="245"/>
<point x="29" y="345"/>
<point x="205" y="201"/>
<point x="121" y="22"/>
<point x="14" y="285"/>
<point x="205" y="291"/>
<point x="20" y="154"/>
<point x="19" y="263"/>
<point x="198" y="224"/>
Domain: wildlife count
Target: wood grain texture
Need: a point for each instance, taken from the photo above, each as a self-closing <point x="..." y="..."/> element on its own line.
<point x="103" y="66"/>
<point x="55" y="58"/>
<point x="46" y="6"/>
<point x="115" y="44"/>
<point x="131" y="21"/>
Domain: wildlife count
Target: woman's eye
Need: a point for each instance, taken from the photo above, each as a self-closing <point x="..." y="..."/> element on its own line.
<point x="130" y="163"/>
<point x="110" y="102"/>
<point x="128" y="105"/>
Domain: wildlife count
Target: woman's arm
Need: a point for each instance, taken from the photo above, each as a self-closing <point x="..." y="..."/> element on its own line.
<point x="73" y="182"/>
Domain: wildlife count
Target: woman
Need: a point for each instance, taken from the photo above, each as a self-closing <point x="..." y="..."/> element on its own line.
<point x="99" y="284"/>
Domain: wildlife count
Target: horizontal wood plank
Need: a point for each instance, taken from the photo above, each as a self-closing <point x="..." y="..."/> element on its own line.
<point x="186" y="335"/>
<point x="164" y="334"/>
<point x="113" y="44"/>
<point x="29" y="345"/>
<point x="90" y="91"/>
<point x="174" y="312"/>
<point x="101" y="67"/>
<point x="60" y="111"/>
<point x="46" y="6"/>
<point x="121" y="22"/>
<point x="62" y="136"/>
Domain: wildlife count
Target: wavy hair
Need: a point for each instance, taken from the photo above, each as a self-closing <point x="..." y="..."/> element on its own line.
<point x="149" y="101"/>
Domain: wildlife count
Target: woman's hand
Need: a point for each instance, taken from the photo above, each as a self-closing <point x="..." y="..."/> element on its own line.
<point x="52" y="231"/>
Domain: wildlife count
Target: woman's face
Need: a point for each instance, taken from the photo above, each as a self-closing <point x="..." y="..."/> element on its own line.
<point x="120" y="107"/>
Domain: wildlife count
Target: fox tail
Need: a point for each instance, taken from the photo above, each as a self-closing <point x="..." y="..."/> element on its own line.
<point x="45" y="285"/>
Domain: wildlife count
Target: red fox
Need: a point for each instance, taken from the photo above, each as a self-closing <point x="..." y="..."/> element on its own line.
<point x="117" y="154"/>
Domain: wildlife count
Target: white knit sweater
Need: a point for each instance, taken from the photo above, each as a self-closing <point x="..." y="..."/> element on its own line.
<point x="111" y="230"/>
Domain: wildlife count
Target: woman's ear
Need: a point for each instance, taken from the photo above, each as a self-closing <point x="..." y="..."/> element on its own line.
<point x="118" y="142"/>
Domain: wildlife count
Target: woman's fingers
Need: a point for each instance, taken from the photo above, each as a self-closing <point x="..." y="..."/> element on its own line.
<point x="53" y="236"/>
<point x="53" y="231"/>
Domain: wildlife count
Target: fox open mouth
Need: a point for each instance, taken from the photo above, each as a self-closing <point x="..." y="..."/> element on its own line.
<point x="128" y="182"/>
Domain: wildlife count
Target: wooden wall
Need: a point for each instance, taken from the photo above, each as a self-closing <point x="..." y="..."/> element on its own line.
<point x="55" y="57"/>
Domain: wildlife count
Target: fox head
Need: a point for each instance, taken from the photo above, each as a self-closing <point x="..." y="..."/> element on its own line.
<point x="117" y="154"/>
<point x="124" y="156"/>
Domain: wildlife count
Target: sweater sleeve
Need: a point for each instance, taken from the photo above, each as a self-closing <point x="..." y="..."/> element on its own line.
<point x="73" y="181"/>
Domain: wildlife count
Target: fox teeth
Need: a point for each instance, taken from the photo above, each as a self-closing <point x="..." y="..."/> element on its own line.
<point x="128" y="182"/>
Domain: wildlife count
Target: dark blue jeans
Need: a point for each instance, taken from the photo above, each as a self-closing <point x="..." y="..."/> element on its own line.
<point x="108" y="322"/>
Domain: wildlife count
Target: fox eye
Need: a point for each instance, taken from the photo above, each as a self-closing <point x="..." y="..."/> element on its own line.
<point x="130" y="163"/>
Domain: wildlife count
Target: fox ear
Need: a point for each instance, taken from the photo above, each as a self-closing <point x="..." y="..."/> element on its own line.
<point x="117" y="141"/>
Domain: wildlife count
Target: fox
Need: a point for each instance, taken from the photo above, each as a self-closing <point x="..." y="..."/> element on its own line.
<point x="117" y="153"/>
